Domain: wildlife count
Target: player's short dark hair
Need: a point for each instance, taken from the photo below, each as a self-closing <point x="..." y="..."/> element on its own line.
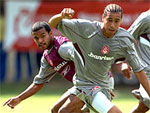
<point x="113" y="8"/>
<point x="39" y="25"/>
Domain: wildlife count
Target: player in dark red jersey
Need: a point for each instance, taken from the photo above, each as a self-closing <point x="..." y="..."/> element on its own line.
<point x="56" y="57"/>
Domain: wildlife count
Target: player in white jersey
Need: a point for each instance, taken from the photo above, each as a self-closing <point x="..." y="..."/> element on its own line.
<point x="140" y="29"/>
<point x="97" y="46"/>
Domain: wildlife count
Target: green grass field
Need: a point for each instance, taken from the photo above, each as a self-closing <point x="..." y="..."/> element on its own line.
<point x="43" y="100"/>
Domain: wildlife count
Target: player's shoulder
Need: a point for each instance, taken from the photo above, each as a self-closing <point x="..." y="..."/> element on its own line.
<point x="122" y="33"/>
<point x="97" y="24"/>
<point x="82" y="20"/>
<point x="124" y="36"/>
<point x="144" y="17"/>
<point x="145" y="14"/>
<point x="86" y="22"/>
<point x="59" y="40"/>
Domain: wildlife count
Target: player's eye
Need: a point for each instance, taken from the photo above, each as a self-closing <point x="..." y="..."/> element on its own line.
<point x="36" y="38"/>
<point x="43" y="35"/>
<point x="116" y="21"/>
<point x="109" y="20"/>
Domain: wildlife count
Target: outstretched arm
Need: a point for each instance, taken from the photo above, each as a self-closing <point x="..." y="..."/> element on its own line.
<point x="65" y="13"/>
<point x="31" y="90"/>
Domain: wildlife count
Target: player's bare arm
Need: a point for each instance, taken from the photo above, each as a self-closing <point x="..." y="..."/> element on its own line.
<point x="65" y="13"/>
<point x="31" y="90"/>
<point x="141" y="76"/>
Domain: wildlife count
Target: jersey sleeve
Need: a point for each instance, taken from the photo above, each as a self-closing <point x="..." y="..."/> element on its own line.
<point x="130" y="53"/>
<point x="140" y="26"/>
<point x="45" y="74"/>
<point x="75" y="29"/>
<point x="66" y="51"/>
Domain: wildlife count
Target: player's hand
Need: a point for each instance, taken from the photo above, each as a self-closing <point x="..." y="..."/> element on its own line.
<point x="12" y="102"/>
<point x="67" y="13"/>
<point x="112" y="94"/>
<point x="126" y="70"/>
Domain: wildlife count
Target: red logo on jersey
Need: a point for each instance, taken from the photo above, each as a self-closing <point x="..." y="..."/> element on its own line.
<point x="96" y="87"/>
<point x="105" y="50"/>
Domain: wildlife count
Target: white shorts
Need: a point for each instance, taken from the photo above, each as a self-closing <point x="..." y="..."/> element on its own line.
<point x="101" y="103"/>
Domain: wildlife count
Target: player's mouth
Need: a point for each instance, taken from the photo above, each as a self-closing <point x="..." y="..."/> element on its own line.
<point x="112" y="30"/>
<point x="43" y="45"/>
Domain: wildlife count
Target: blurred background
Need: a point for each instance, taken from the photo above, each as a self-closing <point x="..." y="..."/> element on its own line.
<point x="19" y="56"/>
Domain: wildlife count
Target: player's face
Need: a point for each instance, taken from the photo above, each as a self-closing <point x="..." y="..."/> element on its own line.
<point x="111" y="23"/>
<point x="42" y="38"/>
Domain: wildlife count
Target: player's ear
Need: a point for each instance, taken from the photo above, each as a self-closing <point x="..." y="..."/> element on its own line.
<point x="50" y="33"/>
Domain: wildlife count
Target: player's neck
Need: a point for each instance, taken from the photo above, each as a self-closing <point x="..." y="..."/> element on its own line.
<point x="51" y="42"/>
<point x="105" y="33"/>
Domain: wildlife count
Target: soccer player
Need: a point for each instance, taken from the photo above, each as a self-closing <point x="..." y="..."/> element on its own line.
<point x="140" y="29"/>
<point x="57" y="56"/>
<point x="97" y="46"/>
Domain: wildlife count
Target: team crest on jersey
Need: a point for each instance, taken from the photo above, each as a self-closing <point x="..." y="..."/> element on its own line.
<point x="96" y="87"/>
<point x="105" y="49"/>
<point x="66" y="70"/>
